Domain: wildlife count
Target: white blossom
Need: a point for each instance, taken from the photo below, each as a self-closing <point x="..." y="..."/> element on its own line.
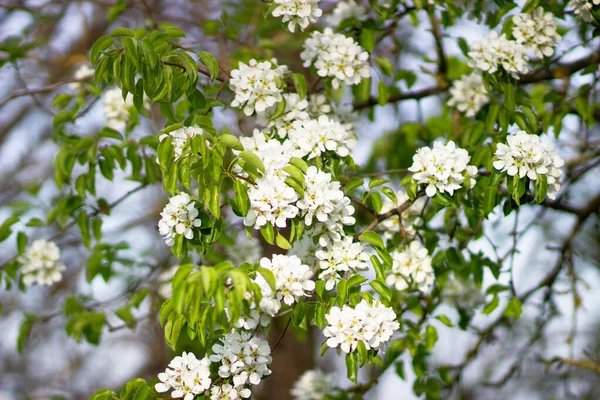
<point x="411" y="266"/>
<point x="116" y="110"/>
<point x="244" y="358"/>
<point x="297" y="12"/>
<point x="497" y="52"/>
<point x="468" y="94"/>
<point x="84" y="72"/>
<point x="271" y="201"/>
<point x="179" y="217"/>
<point x="336" y="56"/>
<point x="407" y="221"/>
<point x="584" y="8"/>
<point x="256" y="85"/>
<point x="181" y="137"/>
<point x="345" y="10"/>
<point x="324" y="206"/>
<point x="314" y="384"/>
<point x="295" y="109"/>
<point x="340" y="257"/>
<point x="463" y="293"/>
<point x="228" y="392"/>
<point x="41" y="264"/>
<point x="274" y="154"/>
<point x="443" y="168"/>
<point x="371" y="324"/>
<point x="268" y="306"/>
<point x="305" y="250"/>
<point x="527" y="156"/>
<point x="292" y="278"/>
<point x="186" y="376"/>
<point x="537" y="31"/>
<point x="314" y="137"/>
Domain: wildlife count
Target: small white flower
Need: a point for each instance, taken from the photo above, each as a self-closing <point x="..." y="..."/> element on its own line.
<point x="340" y="257"/>
<point x="345" y="10"/>
<point x="257" y="86"/>
<point x="271" y="201"/>
<point x="314" y="137"/>
<point x="293" y="279"/>
<point x="297" y="12"/>
<point x="84" y="72"/>
<point x="336" y="56"/>
<point x="244" y="358"/>
<point x="181" y="138"/>
<point x="41" y="264"/>
<point x="443" y="168"/>
<point x="179" y="217"/>
<point x="324" y="207"/>
<point x="537" y="31"/>
<point x="497" y="52"/>
<point x="314" y="384"/>
<point x="116" y="110"/>
<point x="411" y="266"/>
<point x="371" y="324"/>
<point x="406" y="223"/>
<point x="584" y="8"/>
<point x="527" y="156"/>
<point x="468" y="94"/>
<point x="186" y="376"/>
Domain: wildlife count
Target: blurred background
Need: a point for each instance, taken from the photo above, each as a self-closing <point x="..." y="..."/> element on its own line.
<point x="524" y="360"/>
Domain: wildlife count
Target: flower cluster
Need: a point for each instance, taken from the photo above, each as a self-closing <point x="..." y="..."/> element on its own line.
<point x="526" y="155"/>
<point x="297" y="12"/>
<point x="271" y="201"/>
<point x="314" y="137"/>
<point x="84" y="72"/>
<point x="268" y="306"/>
<point x="181" y="137"/>
<point x="116" y="110"/>
<point x="243" y="358"/>
<point x="371" y="324"/>
<point x="274" y="154"/>
<point x="584" y="8"/>
<point x="537" y="31"/>
<point x="295" y="109"/>
<point x="179" y="217"/>
<point x="406" y="222"/>
<point x="411" y="266"/>
<point x="257" y="85"/>
<point x="336" y="56"/>
<point x="41" y="264"/>
<point x="443" y="168"/>
<point x="292" y="278"/>
<point x="186" y="375"/>
<point x="463" y="293"/>
<point x="324" y="206"/>
<point x="339" y="257"/>
<point x="314" y="384"/>
<point x="468" y="94"/>
<point x="345" y="10"/>
<point x="491" y="54"/>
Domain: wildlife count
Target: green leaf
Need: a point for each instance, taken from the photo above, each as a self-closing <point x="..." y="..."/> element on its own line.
<point x="230" y="141"/>
<point x="385" y="65"/>
<point x="299" y="163"/>
<point x="352" y="366"/>
<point x="300" y="85"/>
<point x="24" y="331"/>
<point x="382" y="290"/>
<point x="5" y="230"/>
<point x="268" y="233"/>
<point x="149" y="53"/>
<point x="431" y="337"/>
<point x="99" y="46"/>
<point x="491" y="306"/>
<point x="342" y="292"/>
<point x="269" y="277"/>
<point x="356" y="280"/>
<point x="367" y="39"/>
<point x="282" y="242"/>
<point x="253" y="160"/>
<point x="122" y="32"/>
<point x="211" y="64"/>
<point x="125" y="315"/>
<point x="513" y="308"/>
<point x="372" y="238"/>
<point x="21" y="242"/>
<point x="530" y="6"/>
<point x="84" y="226"/>
<point x="445" y="320"/>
